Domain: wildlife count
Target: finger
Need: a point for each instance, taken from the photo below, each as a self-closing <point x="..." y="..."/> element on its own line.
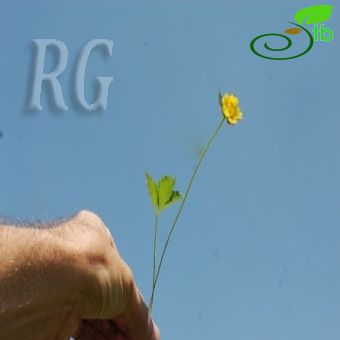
<point x="137" y="320"/>
<point x="100" y="330"/>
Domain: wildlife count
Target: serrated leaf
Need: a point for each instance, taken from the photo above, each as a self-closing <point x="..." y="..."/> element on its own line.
<point x="314" y="14"/>
<point x="176" y="196"/>
<point x="162" y="194"/>
<point x="153" y="190"/>
<point x="165" y="189"/>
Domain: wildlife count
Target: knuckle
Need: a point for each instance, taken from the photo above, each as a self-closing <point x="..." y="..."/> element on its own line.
<point x="92" y="221"/>
<point x="89" y="217"/>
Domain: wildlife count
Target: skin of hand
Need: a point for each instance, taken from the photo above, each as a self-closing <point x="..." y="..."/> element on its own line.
<point x="68" y="280"/>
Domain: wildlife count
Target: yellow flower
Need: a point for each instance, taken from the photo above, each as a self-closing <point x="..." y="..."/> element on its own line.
<point x="230" y="109"/>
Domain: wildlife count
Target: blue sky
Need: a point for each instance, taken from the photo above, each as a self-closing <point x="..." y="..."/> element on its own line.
<point x="256" y="252"/>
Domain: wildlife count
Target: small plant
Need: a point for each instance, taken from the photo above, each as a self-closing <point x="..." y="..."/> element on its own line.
<point x="163" y="195"/>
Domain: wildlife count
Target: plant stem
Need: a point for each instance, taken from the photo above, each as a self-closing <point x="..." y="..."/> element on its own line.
<point x="154" y="249"/>
<point x="204" y="152"/>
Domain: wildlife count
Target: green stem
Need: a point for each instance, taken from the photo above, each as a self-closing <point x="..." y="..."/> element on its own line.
<point x="205" y="150"/>
<point x="154" y="249"/>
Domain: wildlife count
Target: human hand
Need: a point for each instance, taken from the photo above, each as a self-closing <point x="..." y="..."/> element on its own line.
<point x="113" y="307"/>
<point x="68" y="279"/>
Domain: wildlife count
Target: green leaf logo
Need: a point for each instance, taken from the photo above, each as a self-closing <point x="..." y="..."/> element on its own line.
<point x="162" y="194"/>
<point x="314" y="14"/>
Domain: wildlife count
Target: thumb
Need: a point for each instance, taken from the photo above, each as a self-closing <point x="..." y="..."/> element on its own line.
<point x="136" y="322"/>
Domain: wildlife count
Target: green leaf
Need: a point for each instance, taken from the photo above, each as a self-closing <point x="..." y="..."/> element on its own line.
<point x="162" y="194"/>
<point x="166" y="194"/>
<point x="153" y="191"/>
<point x="176" y="196"/>
<point x="165" y="187"/>
<point x="314" y="14"/>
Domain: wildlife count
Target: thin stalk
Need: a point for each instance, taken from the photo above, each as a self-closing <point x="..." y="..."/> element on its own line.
<point x="154" y="255"/>
<point x="205" y="150"/>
